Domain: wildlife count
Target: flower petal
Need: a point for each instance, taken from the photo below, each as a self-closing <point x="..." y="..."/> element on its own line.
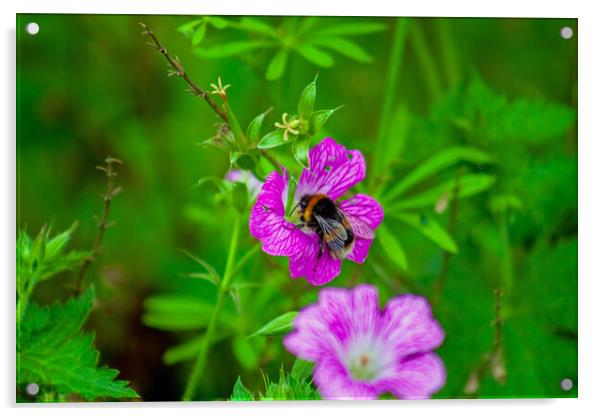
<point x="365" y="309"/>
<point x="407" y="321"/>
<point x="361" y="246"/>
<point x="304" y="261"/>
<point x="342" y="178"/>
<point x="334" y="383"/>
<point x="327" y="153"/>
<point x="333" y="170"/>
<point x="365" y="209"/>
<point x="336" y="309"/>
<point x="267" y="222"/>
<point x="309" y="340"/>
<point x="418" y="377"/>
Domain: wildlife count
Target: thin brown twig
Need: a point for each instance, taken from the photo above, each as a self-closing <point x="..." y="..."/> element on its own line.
<point x="178" y="70"/>
<point x="440" y="282"/>
<point x="492" y="360"/>
<point x="103" y="224"/>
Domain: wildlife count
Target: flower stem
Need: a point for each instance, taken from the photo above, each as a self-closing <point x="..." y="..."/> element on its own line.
<point x="447" y="256"/>
<point x="393" y="70"/>
<point x="224" y="287"/>
<point x="103" y="223"/>
<point x="425" y="58"/>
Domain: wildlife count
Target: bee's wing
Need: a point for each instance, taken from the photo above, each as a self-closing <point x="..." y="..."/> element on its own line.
<point x="360" y="228"/>
<point x="334" y="235"/>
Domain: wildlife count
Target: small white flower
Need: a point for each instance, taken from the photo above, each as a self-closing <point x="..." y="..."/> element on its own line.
<point x="220" y="89"/>
<point x="288" y="126"/>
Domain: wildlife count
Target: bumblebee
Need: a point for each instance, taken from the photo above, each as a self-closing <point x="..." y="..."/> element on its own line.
<point x="336" y="231"/>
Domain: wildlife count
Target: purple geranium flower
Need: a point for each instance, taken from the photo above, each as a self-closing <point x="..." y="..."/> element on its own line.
<point x="333" y="170"/>
<point x="362" y="352"/>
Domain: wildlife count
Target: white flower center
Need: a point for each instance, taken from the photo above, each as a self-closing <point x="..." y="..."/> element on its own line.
<point x="366" y="358"/>
<point x="363" y="367"/>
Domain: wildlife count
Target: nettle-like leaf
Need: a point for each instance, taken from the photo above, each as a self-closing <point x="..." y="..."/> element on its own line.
<point x="296" y="385"/>
<point x="310" y="38"/>
<point x="54" y="352"/>
<point x="494" y="119"/>
<point x="45" y="257"/>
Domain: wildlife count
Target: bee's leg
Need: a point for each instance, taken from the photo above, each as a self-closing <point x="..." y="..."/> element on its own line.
<point x="299" y="226"/>
<point x="322" y="245"/>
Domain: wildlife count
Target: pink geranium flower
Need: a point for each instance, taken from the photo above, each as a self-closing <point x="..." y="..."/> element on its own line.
<point x="362" y="352"/>
<point x="333" y="170"/>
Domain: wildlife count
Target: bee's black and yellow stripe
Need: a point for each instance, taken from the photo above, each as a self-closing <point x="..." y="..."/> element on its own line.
<point x="322" y="215"/>
<point x="311" y="203"/>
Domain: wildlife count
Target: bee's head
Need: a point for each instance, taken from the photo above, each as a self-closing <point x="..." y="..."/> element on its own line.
<point x="301" y="206"/>
<point x="303" y="202"/>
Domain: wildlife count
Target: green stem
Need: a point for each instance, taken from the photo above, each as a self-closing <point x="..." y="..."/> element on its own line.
<point x="224" y="287"/>
<point x="393" y="70"/>
<point x="425" y="58"/>
<point x="448" y="51"/>
<point x="23" y="302"/>
<point x="507" y="272"/>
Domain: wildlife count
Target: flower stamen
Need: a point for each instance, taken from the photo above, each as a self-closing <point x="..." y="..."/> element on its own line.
<point x="220" y="89"/>
<point x="288" y="126"/>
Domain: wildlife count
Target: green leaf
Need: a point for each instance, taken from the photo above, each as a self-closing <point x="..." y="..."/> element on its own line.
<point x="240" y="392"/>
<point x="56" y="245"/>
<point x="208" y="267"/>
<point x="390" y="148"/>
<point x="243" y="160"/>
<point x="300" y="150"/>
<point x="251" y="24"/>
<point x="527" y="120"/>
<point x="213" y="180"/>
<point x="392" y="247"/>
<point x="272" y="139"/>
<point x="43" y="258"/>
<point x="245" y="352"/>
<point x="187" y="29"/>
<point x="228" y="49"/>
<point x="343" y="46"/>
<point x="318" y="118"/>
<point x="430" y="228"/>
<point x="239" y="137"/>
<point x="289" y="388"/>
<point x="351" y="29"/>
<point x="437" y="163"/>
<point x="279" y="325"/>
<point x="503" y="203"/>
<point x="199" y="34"/>
<point x="254" y="129"/>
<point x="217" y="22"/>
<point x="52" y="350"/>
<point x="468" y="185"/>
<point x="315" y="55"/>
<point x="189" y="350"/>
<point x="277" y="64"/>
<point x="180" y="313"/>
<point x="302" y="370"/>
<point x="307" y="100"/>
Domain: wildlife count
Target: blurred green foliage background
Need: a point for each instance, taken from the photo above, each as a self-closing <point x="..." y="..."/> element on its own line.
<point x="88" y="87"/>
